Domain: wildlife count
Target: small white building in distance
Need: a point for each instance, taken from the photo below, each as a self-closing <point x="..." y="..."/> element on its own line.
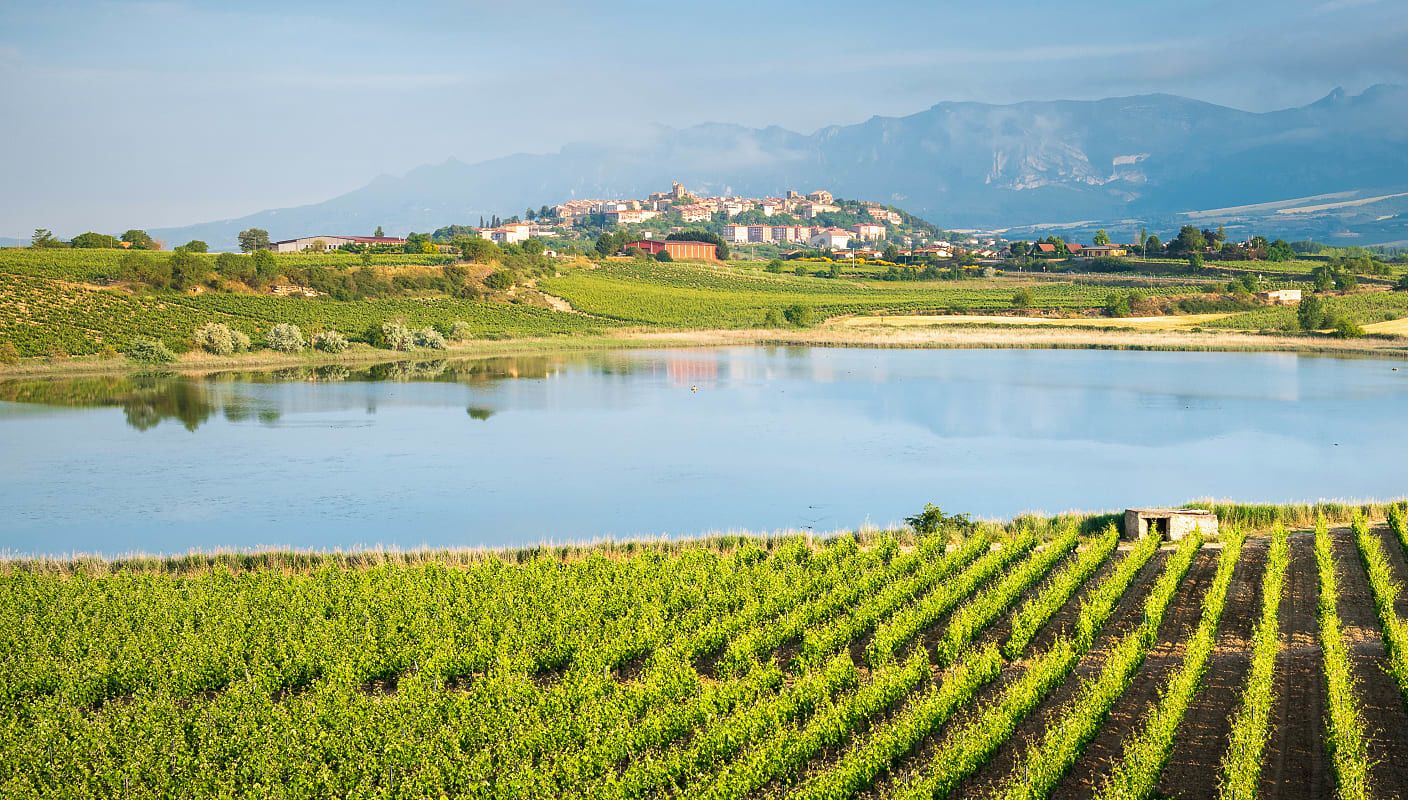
<point x="325" y="244"/>
<point x="1171" y="524"/>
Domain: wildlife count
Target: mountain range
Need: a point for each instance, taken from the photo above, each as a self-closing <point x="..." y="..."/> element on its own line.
<point x="1333" y="169"/>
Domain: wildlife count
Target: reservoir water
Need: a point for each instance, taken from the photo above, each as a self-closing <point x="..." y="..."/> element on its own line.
<point x="514" y="451"/>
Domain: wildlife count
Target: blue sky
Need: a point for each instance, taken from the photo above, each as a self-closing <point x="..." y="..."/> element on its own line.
<point x="122" y="113"/>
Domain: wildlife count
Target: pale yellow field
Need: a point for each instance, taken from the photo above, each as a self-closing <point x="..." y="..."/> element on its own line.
<point x="922" y="321"/>
<point x="1394" y="327"/>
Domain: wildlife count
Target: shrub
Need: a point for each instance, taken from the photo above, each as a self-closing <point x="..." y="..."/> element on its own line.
<point x="1346" y="328"/>
<point x="799" y="315"/>
<point x="216" y="338"/>
<point x="395" y="336"/>
<point x="775" y="266"/>
<point x="431" y="338"/>
<point x="1402" y="284"/>
<point x="1023" y="298"/>
<point x="801" y="271"/>
<point x="241" y="340"/>
<point x="773" y="319"/>
<point x="9" y="354"/>
<point x="329" y="342"/>
<point x="461" y="331"/>
<point x="149" y="351"/>
<point x="663" y="256"/>
<point x="285" y="338"/>
<point x="500" y="280"/>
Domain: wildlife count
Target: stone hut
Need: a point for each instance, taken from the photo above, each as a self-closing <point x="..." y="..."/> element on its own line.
<point x="1171" y="524"/>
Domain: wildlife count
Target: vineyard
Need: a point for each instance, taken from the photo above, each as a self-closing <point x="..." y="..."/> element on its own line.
<point x="1042" y="658"/>
<point x="44" y="316"/>
<point x="102" y="266"/>
<point x="695" y="296"/>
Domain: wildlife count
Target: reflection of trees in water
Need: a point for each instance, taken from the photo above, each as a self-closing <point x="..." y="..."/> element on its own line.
<point x="149" y="399"/>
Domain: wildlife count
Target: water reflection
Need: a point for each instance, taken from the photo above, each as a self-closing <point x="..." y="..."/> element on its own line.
<point x="463" y="452"/>
<point x="147" y="399"/>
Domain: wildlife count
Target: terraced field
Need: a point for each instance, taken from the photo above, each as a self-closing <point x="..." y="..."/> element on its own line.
<point x="1028" y="660"/>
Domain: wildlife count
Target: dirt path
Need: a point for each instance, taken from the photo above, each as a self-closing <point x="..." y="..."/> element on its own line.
<point x="1385" y="717"/>
<point x="1203" y="736"/>
<point x="1296" y="765"/>
<point x="1133" y="707"/>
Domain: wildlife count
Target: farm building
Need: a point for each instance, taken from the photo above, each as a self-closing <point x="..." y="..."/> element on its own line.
<point x="1170" y="523"/>
<point x="324" y="244"/>
<point x="1105" y="251"/>
<point x="697" y="251"/>
<point x="1280" y="297"/>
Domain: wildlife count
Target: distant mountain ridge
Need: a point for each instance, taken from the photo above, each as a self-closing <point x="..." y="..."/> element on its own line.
<point x="959" y="164"/>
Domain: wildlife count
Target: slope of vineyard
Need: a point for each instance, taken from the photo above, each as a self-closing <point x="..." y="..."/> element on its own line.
<point x="1043" y="658"/>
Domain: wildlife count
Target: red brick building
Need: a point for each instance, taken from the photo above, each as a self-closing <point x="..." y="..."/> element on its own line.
<point x="679" y="251"/>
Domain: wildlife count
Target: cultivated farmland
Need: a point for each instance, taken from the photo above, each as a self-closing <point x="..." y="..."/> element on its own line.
<point x="1042" y="658"/>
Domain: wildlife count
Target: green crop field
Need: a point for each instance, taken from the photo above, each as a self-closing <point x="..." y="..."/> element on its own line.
<point x="1023" y="660"/>
<point x="102" y="266"/>
<point x="705" y="296"/>
<point x="1364" y="308"/>
<point x="44" y="316"/>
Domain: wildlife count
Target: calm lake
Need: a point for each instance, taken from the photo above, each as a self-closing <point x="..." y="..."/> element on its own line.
<point x="555" y="448"/>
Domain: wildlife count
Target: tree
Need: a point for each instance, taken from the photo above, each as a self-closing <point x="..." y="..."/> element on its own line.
<point x="1195" y="260"/>
<point x="265" y="268"/>
<point x="475" y="248"/>
<point x="533" y="247"/>
<point x="140" y="240"/>
<point x="892" y="253"/>
<point x="1101" y="238"/>
<point x="1019" y="250"/>
<point x="1280" y="250"/>
<point x="379" y="233"/>
<point x="1023" y="298"/>
<point x="187" y="269"/>
<point x="1153" y="243"/>
<point x="775" y="266"/>
<point x="196" y="246"/>
<point x="417" y="242"/>
<point x="95" y="240"/>
<point x="664" y="255"/>
<point x="43" y="237"/>
<point x="252" y="239"/>
<point x="798" y="315"/>
<point x="1311" y="313"/>
<point x="1189" y="240"/>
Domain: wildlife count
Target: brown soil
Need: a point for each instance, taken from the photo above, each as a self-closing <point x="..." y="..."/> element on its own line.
<point x="631" y="668"/>
<point x="1203" y="736"/>
<point x="1295" y="763"/>
<point x="1134" y="706"/>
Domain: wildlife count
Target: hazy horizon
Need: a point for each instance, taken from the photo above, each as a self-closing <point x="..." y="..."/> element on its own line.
<point x="167" y="113"/>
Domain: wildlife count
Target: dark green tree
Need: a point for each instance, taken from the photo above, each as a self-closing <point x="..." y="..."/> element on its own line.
<point x="95" y="240"/>
<point x="252" y="239"/>
<point x="196" y="246"/>
<point x="139" y="239"/>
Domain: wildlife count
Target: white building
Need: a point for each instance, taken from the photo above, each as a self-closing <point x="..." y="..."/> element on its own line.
<point x="324" y="244"/>
<point x="834" y="238"/>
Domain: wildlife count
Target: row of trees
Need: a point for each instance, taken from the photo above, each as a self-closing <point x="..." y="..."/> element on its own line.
<point x="134" y="239"/>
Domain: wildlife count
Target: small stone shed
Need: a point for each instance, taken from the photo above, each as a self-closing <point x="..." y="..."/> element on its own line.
<point x="1280" y="297"/>
<point x="1169" y="523"/>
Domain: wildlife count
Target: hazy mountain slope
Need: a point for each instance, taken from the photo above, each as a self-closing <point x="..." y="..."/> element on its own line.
<point x="961" y="165"/>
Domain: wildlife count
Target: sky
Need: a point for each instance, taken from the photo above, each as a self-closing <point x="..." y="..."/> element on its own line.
<point x="155" y="113"/>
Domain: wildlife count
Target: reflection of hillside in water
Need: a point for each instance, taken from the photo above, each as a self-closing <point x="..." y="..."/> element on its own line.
<point x="266" y="396"/>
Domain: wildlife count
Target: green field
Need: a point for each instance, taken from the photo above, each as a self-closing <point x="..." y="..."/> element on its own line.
<point x="958" y="663"/>
<point x="702" y="296"/>
<point x="102" y="266"/>
<point x="45" y="317"/>
<point x="1364" y="308"/>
